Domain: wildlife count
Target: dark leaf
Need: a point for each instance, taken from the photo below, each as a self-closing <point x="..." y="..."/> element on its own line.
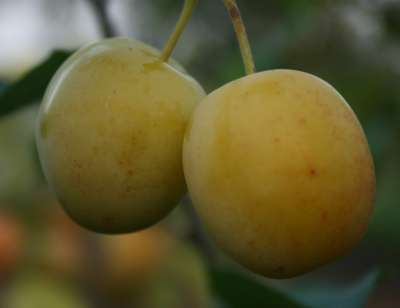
<point x="31" y="87"/>
<point x="236" y="290"/>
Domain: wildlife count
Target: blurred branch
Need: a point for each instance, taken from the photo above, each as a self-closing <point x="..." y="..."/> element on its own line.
<point x="198" y="236"/>
<point x="103" y="18"/>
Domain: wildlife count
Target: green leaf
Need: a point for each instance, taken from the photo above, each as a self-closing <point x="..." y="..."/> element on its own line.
<point x="237" y="290"/>
<point x="319" y="294"/>
<point x="31" y="87"/>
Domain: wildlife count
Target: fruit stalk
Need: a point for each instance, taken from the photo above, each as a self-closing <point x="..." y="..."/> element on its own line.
<point x="241" y="35"/>
<point x="187" y="11"/>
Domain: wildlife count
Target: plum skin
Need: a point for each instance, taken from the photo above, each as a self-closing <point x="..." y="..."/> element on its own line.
<point x="279" y="170"/>
<point x="110" y="132"/>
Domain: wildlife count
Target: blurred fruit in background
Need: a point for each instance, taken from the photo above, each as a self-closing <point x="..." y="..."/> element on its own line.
<point x="151" y="268"/>
<point x="62" y="244"/>
<point x="36" y="290"/>
<point x="135" y="257"/>
<point x="147" y="269"/>
<point x="11" y="244"/>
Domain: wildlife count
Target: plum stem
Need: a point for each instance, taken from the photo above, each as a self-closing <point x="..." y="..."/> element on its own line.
<point x="187" y="11"/>
<point x="241" y="35"/>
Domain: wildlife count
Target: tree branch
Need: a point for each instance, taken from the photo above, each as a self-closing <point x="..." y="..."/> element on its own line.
<point x="103" y="18"/>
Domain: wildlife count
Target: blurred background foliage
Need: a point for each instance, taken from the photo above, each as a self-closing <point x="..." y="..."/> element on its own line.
<point x="48" y="261"/>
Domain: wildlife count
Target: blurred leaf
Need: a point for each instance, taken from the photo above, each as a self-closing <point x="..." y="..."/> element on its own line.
<point x="31" y="87"/>
<point x="391" y="18"/>
<point x="385" y="223"/>
<point x="19" y="172"/>
<point x="2" y="85"/>
<point x="300" y="7"/>
<point x="167" y="7"/>
<point x="237" y="290"/>
<point x="328" y="295"/>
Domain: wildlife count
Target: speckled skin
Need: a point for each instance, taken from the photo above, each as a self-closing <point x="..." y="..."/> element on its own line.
<point x="280" y="171"/>
<point x="110" y="133"/>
